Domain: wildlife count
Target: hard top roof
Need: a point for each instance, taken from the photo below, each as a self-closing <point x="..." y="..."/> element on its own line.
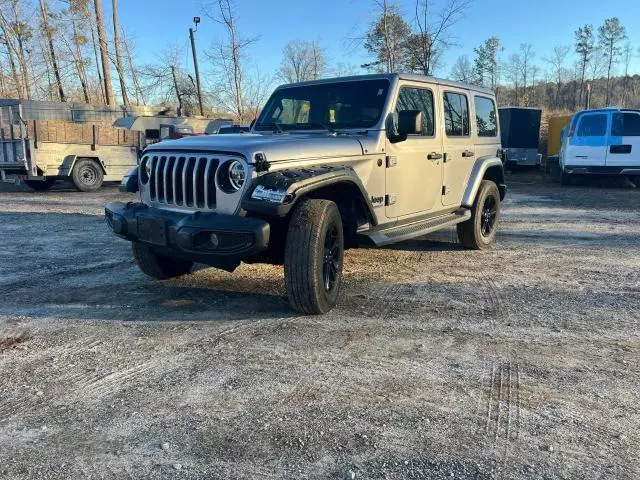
<point x="392" y="76"/>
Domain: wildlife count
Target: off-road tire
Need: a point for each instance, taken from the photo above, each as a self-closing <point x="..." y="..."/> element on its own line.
<point x="87" y="175"/>
<point x="40" y="185"/>
<point x="471" y="233"/>
<point x="311" y="225"/>
<point x="158" y="266"/>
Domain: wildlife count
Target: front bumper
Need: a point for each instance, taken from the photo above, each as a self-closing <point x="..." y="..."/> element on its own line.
<point x="189" y="235"/>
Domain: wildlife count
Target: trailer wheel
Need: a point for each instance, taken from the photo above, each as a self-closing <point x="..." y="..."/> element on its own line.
<point x="87" y="175"/>
<point x="40" y="185"/>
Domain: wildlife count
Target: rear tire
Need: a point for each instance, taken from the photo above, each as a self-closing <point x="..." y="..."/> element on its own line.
<point x="158" y="266"/>
<point x="565" y="179"/>
<point x="40" y="185"/>
<point x="313" y="257"/>
<point x="479" y="231"/>
<point x="87" y="175"/>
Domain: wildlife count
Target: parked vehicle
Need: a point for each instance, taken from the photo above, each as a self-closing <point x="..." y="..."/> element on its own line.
<point x="520" y="135"/>
<point x="604" y="141"/>
<point x="329" y="164"/>
<point x="43" y="142"/>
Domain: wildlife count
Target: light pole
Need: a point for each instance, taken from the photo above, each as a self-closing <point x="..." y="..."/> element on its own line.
<point x="196" y="21"/>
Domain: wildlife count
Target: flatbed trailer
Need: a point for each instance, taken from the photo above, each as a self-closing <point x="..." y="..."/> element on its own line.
<point x="40" y="152"/>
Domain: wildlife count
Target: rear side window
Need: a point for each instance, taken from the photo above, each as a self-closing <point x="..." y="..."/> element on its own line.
<point x="418" y="99"/>
<point x="593" y="126"/>
<point x="626" y="125"/>
<point x="486" y="118"/>
<point x="456" y="114"/>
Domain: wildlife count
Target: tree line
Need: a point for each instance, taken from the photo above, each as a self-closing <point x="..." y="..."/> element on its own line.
<point x="65" y="50"/>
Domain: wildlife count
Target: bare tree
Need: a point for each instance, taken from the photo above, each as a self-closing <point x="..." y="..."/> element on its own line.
<point x="611" y="33"/>
<point x="116" y="43"/>
<point x="228" y="58"/>
<point x="462" y="70"/>
<point x="556" y="62"/>
<point x="52" y="51"/>
<point x="432" y="36"/>
<point x="17" y="33"/>
<point x="104" y="54"/>
<point x="302" y="60"/>
<point x="626" y="58"/>
<point x="526" y="57"/>
<point x="134" y="73"/>
<point x="514" y="72"/>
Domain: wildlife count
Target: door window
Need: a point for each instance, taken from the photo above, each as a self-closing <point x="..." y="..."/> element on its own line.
<point x="593" y="126"/>
<point x="456" y="114"/>
<point x="486" y="117"/>
<point x="418" y="99"/>
<point x="626" y="124"/>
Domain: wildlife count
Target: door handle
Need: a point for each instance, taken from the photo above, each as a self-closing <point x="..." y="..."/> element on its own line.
<point x="467" y="153"/>
<point x="434" y="156"/>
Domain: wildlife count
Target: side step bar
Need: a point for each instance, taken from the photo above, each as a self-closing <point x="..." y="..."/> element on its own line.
<point x="417" y="229"/>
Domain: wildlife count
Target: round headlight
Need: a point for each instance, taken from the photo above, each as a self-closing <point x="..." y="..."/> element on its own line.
<point x="237" y="174"/>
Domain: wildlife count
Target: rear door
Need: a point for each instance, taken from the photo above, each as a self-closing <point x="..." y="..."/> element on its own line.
<point x="624" y="143"/>
<point x="589" y="143"/>
<point x="458" y="144"/>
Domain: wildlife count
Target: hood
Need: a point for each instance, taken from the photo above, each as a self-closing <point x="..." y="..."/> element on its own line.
<point x="275" y="147"/>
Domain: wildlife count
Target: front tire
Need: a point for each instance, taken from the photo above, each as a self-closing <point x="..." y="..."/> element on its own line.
<point x="40" y="185"/>
<point x="313" y="257"/>
<point x="479" y="231"/>
<point x="87" y="175"/>
<point x="158" y="266"/>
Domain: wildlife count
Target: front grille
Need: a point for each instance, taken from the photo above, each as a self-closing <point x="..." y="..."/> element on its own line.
<point x="184" y="181"/>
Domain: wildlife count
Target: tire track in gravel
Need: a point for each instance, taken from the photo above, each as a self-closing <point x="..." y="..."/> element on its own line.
<point x="498" y="410"/>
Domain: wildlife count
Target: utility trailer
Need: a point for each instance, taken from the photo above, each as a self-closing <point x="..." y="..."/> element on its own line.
<point x="520" y="134"/>
<point x="39" y="146"/>
<point x="43" y="142"/>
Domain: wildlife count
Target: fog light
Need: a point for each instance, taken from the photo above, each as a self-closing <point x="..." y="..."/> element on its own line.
<point x="215" y="241"/>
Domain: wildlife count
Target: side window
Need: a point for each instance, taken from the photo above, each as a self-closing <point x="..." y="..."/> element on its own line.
<point x="593" y="126"/>
<point x="485" y="117"/>
<point x="626" y="124"/>
<point x="418" y="99"/>
<point x="456" y="114"/>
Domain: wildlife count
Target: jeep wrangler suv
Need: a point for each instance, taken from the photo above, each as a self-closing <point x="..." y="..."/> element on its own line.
<point x="328" y="165"/>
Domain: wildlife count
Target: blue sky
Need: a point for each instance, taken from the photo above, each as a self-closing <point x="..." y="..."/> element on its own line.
<point x="543" y="23"/>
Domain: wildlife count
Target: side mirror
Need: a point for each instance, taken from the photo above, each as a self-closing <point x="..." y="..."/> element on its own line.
<point x="409" y="122"/>
<point x="402" y="124"/>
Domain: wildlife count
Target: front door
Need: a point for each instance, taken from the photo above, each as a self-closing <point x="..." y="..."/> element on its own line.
<point x="460" y="155"/>
<point x="414" y="166"/>
<point x="588" y="145"/>
<point x="624" y="143"/>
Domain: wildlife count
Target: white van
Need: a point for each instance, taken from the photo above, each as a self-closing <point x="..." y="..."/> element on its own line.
<point x="605" y="141"/>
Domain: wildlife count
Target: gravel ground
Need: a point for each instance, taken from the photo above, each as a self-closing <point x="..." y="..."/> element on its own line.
<point x="519" y="363"/>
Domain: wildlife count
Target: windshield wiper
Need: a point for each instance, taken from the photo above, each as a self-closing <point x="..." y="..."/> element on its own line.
<point x="328" y="128"/>
<point x="277" y="127"/>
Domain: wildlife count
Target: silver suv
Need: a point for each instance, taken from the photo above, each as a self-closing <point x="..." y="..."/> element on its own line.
<point x="328" y="165"/>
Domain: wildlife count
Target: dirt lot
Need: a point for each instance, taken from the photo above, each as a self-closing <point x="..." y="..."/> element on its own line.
<point x="521" y="362"/>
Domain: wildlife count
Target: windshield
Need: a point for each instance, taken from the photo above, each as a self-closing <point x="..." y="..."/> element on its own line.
<point x="325" y="106"/>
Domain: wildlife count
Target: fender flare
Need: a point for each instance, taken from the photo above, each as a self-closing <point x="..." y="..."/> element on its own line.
<point x="478" y="173"/>
<point x="71" y="161"/>
<point x="296" y="183"/>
